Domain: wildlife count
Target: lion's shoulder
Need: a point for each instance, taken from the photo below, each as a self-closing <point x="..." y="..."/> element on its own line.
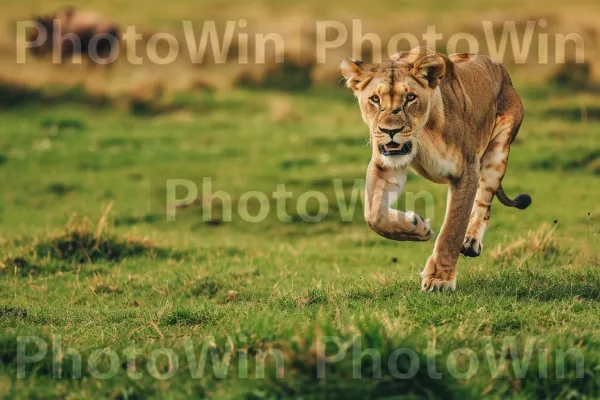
<point x="481" y="77"/>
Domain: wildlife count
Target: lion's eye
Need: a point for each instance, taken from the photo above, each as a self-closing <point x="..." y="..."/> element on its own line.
<point x="374" y="99"/>
<point x="411" y="97"/>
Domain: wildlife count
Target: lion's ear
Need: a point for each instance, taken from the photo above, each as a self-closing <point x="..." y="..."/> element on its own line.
<point x="430" y="68"/>
<point x="355" y="74"/>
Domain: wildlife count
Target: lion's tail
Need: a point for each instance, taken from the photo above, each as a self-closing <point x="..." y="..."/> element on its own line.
<point x="521" y="202"/>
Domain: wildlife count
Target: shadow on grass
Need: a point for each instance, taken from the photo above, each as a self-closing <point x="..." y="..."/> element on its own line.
<point x="189" y="316"/>
<point x="14" y="95"/>
<point x="577" y="159"/>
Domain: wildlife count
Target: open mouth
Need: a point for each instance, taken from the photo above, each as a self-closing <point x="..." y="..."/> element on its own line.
<point x="394" y="149"/>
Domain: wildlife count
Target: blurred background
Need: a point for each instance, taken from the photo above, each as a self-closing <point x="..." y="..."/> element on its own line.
<point x="153" y="87"/>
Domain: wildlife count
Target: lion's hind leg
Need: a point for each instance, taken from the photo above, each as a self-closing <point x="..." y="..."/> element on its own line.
<point x="493" y="167"/>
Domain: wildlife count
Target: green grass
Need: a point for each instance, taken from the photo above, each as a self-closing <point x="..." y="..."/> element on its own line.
<point x="88" y="254"/>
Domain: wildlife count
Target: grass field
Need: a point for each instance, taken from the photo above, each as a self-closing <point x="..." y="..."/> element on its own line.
<point x="90" y="261"/>
<point x="137" y="278"/>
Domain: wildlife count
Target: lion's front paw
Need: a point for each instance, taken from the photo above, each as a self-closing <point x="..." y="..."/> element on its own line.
<point x="437" y="278"/>
<point x="472" y="247"/>
<point x="422" y="228"/>
<point x="402" y="227"/>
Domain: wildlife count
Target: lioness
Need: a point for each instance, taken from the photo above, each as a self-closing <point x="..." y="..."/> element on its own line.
<point x="452" y="119"/>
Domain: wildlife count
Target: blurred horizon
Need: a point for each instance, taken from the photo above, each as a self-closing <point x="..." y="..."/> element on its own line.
<point x="297" y="25"/>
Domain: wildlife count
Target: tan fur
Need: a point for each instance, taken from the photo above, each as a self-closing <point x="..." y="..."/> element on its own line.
<point x="460" y="125"/>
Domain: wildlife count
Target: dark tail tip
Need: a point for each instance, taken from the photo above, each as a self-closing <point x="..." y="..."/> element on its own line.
<point x="522" y="201"/>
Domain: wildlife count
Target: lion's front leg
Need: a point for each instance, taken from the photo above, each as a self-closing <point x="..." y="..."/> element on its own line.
<point x="440" y="270"/>
<point x="383" y="187"/>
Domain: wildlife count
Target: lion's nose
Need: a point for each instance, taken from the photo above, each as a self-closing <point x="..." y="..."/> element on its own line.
<point x="391" y="132"/>
<point x="396" y="111"/>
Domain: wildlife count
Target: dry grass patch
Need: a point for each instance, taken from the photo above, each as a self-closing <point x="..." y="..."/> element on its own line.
<point x="539" y="245"/>
<point x="79" y="244"/>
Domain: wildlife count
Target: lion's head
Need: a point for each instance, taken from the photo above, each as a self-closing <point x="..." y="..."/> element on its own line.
<point x="396" y="99"/>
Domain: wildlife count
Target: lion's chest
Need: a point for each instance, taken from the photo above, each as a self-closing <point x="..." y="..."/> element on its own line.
<point x="436" y="160"/>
